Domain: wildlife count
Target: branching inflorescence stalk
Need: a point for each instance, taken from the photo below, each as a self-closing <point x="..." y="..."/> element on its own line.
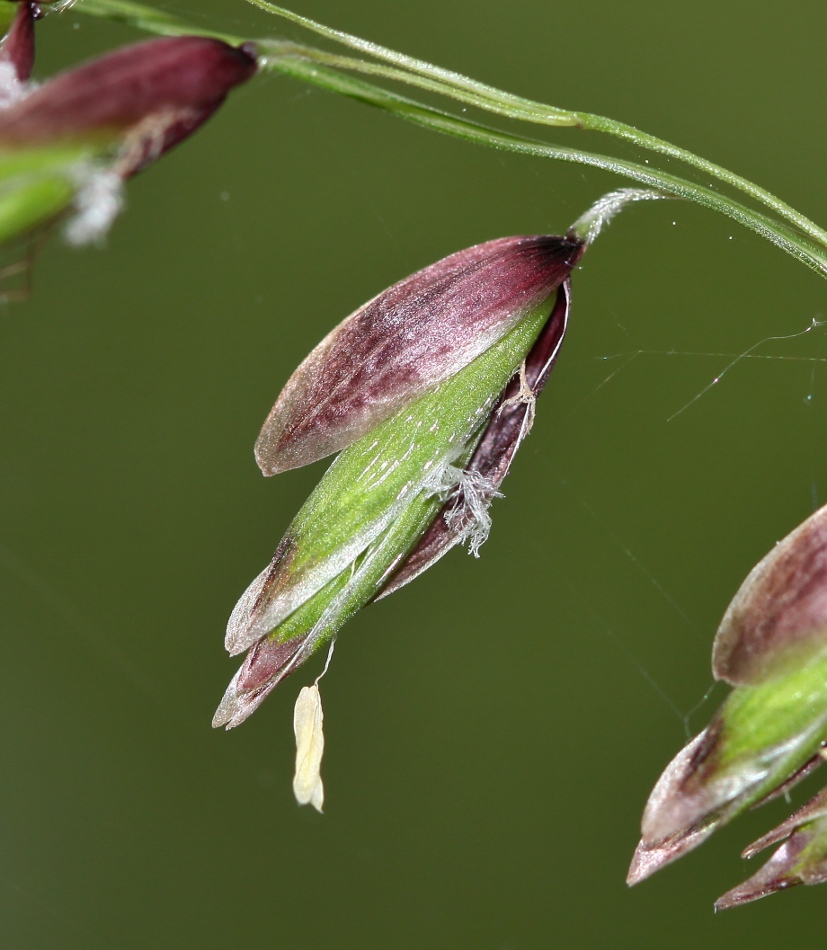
<point x="787" y="228"/>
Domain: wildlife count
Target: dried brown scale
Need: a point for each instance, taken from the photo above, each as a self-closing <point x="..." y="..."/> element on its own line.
<point x="405" y="342"/>
<point x="780" y="609"/>
<point x="174" y="77"/>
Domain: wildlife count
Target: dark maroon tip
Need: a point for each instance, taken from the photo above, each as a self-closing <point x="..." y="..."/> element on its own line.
<point x="17" y="46"/>
<point x="779" y="614"/>
<point x="778" y="874"/>
<point x="408" y="340"/>
<point x="814" y="810"/>
<point x="265" y="660"/>
<point x="163" y="82"/>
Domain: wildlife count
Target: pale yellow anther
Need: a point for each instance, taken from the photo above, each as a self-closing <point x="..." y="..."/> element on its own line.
<point x="307" y="725"/>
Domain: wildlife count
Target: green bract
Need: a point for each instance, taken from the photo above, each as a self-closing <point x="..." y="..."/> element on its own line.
<point x="69" y="143"/>
<point x="386" y="489"/>
<point x="37" y="185"/>
<point x="772" y="646"/>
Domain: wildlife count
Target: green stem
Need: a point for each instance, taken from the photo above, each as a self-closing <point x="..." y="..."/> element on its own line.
<point x="598" y="123"/>
<point x="515" y="107"/>
<point x="420" y="73"/>
<point x="779" y="234"/>
<point x="309" y="65"/>
<point x="150" y="20"/>
<point x="366" y="68"/>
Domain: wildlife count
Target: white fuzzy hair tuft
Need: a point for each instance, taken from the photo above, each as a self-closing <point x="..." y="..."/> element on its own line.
<point x="98" y="201"/>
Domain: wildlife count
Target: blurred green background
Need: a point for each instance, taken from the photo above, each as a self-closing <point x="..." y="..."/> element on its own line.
<point x="493" y="730"/>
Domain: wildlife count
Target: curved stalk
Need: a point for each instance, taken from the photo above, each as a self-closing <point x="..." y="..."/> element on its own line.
<point x="790" y="240"/>
<point x="425" y="75"/>
<point x="150" y="20"/>
<point x="311" y="66"/>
